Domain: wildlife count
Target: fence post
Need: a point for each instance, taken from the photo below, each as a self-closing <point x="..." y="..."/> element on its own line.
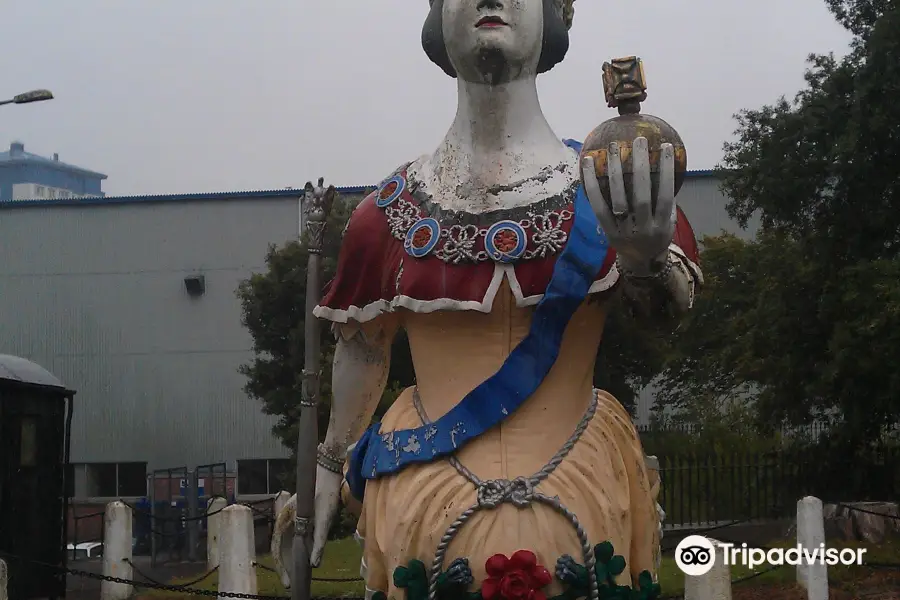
<point x="237" y="573"/>
<point x="4" y="580"/>
<point x="811" y="536"/>
<point x="714" y="585"/>
<point x="193" y="534"/>
<point x="154" y="541"/>
<point x="213" y="506"/>
<point x="117" y="551"/>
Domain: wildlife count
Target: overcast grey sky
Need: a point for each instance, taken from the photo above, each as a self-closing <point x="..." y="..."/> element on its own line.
<point x="174" y="96"/>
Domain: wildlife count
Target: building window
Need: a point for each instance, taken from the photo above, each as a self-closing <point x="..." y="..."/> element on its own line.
<point x="101" y="480"/>
<point x="279" y="475"/>
<point x="109" y="480"/>
<point x="132" y="479"/>
<point x="262" y="476"/>
<point x="39" y="191"/>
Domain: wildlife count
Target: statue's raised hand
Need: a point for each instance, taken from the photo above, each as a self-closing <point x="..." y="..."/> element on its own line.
<point x="639" y="231"/>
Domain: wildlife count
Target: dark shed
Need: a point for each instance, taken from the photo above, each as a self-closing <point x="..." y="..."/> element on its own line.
<point x="35" y="422"/>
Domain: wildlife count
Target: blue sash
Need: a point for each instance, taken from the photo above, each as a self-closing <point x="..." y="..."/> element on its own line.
<point x="524" y="370"/>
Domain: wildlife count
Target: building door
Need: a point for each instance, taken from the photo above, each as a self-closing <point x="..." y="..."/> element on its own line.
<point x="32" y="502"/>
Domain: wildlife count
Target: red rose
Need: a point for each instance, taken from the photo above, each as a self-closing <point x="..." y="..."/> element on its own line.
<point x="516" y="578"/>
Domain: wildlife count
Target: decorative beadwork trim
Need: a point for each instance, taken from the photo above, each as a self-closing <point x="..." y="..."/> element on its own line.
<point x="327" y="460"/>
<point x="422" y="237"/>
<point x="389" y="191"/>
<point x="506" y="241"/>
<point x="535" y="231"/>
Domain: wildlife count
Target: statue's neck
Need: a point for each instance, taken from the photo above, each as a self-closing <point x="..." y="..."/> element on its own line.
<point x="500" y="119"/>
<point x="499" y="140"/>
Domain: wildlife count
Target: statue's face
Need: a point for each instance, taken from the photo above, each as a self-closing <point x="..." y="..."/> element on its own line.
<point x="493" y="40"/>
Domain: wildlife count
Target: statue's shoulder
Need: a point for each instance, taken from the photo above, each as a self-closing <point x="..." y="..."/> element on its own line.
<point x="368" y="217"/>
<point x="370" y="257"/>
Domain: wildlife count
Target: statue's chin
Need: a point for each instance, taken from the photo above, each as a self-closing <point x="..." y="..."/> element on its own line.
<point x="495" y="63"/>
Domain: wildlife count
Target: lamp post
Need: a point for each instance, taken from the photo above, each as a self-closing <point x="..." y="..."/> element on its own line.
<point x="28" y="97"/>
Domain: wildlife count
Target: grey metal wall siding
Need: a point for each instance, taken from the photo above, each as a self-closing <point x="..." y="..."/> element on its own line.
<point x="96" y="295"/>
<point x="703" y="203"/>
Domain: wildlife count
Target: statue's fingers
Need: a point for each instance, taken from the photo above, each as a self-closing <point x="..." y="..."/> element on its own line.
<point x="642" y="198"/>
<point x="320" y="538"/>
<point x="598" y="202"/>
<point x="665" y="203"/>
<point x="592" y="184"/>
<point x="618" y="198"/>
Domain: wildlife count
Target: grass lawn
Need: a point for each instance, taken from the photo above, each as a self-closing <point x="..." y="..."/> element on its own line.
<point x="342" y="557"/>
<point x="341" y="561"/>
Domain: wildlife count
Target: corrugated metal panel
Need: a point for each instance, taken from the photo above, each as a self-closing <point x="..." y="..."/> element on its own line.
<point x="703" y="203"/>
<point x="96" y="295"/>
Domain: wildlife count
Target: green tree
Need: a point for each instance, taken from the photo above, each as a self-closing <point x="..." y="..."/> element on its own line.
<point x="806" y="317"/>
<point x="632" y="353"/>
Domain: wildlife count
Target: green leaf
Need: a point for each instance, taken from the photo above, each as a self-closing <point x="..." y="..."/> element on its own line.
<point x="616" y="565"/>
<point x="604" y="552"/>
<point x="417" y="584"/>
<point x="401" y="577"/>
<point x="645" y="579"/>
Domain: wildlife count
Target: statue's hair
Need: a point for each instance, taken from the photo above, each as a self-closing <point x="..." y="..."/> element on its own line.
<point x="558" y="17"/>
<point x="567" y="8"/>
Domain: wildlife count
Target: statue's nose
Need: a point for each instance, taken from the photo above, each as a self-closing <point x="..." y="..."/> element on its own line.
<point x="489" y="5"/>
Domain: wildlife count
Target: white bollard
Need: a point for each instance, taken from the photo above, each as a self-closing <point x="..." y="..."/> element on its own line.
<point x="237" y="551"/>
<point x="214" y="505"/>
<point x="117" y="551"/>
<point x="281" y="499"/>
<point x="4" y="580"/>
<point x="811" y="536"/>
<point x="714" y="585"/>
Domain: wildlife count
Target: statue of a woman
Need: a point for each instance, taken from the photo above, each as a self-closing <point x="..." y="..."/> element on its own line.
<point x="490" y="253"/>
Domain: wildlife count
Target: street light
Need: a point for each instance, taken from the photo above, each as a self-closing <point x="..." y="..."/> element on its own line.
<point x="32" y="96"/>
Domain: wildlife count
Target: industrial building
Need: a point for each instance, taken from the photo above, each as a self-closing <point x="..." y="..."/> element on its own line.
<point x="131" y="302"/>
<point x="27" y="176"/>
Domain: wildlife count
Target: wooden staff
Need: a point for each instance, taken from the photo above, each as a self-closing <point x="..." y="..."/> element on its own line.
<point x="318" y="201"/>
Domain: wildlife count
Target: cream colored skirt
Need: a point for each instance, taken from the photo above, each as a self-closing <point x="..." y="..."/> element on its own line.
<point x="603" y="480"/>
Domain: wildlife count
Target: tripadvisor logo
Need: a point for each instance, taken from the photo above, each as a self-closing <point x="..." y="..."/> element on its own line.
<point x="696" y="555"/>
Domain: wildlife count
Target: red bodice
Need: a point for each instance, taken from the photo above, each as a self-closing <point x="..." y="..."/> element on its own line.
<point x="400" y="249"/>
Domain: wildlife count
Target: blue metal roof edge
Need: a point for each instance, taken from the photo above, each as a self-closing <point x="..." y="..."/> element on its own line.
<point x="36" y="159"/>
<point x="111" y="200"/>
<point x="295" y="193"/>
